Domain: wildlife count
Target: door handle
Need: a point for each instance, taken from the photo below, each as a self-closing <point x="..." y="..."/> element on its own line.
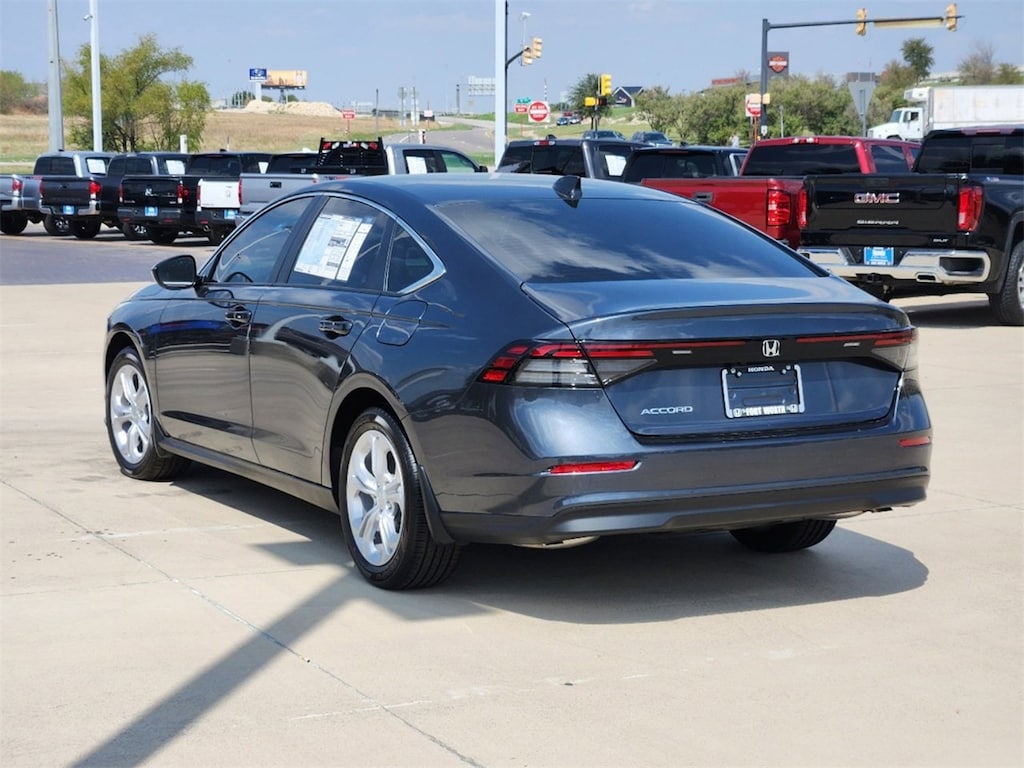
<point x="333" y="327"/>
<point x="275" y="185"/>
<point x="238" y="316"/>
<point x="702" y="197"/>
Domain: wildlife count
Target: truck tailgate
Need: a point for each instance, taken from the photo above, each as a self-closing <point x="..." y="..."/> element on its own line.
<point x="857" y="209"/>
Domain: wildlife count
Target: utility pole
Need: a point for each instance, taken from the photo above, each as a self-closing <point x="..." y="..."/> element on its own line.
<point x="53" y="92"/>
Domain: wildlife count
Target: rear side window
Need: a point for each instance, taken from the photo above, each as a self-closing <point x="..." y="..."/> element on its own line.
<point x="343" y="247"/>
<point x="889" y="159"/>
<point x="993" y="154"/>
<point x="618" y="239"/>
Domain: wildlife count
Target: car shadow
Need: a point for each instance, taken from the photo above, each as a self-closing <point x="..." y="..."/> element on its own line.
<point x="614" y="580"/>
<point x="968" y="312"/>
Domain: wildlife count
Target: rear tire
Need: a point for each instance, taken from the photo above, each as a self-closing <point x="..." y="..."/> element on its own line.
<point x="1008" y="304"/>
<point x="131" y="425"/>
<point x="161" y="236"/>
<point x="216" y="236"/>
<point x="85" y="229"/>
<point x="381" y="501"/>
<point x="57" y="226"/>
<point x="784" y="537"/>
<point x="13" y="223"/>
<point x="134" y="231"/>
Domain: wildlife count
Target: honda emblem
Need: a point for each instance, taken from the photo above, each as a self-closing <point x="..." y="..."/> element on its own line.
<point x="771" y="347"/>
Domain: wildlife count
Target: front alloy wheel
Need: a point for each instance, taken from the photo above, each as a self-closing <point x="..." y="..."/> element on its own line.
<point x="380" y="497"/>
<point x="130" y="423"/>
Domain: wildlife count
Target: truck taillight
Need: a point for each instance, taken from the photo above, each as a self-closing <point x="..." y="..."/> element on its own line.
<point x="182" y="194"/>
<point x="94" y="189"/>
<point x="120" y="193"/>
<point x="16" y="186"/>
<point x="801" y="209"/>
<point x="778" y="208"/>
<point x="968" y="208"/>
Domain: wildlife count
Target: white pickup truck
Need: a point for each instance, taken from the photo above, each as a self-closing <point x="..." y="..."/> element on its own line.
<point x="337" y="159"/>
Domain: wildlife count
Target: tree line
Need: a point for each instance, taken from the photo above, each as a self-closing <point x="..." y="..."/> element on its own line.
<point x="143" y="109"/>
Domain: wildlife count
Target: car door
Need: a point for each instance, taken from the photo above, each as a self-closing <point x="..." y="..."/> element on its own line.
<point x="304" y="329"/>
<point x="201" y="343"/>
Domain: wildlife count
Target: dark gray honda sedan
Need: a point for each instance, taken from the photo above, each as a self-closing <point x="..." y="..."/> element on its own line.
<point x="522" y="360"/>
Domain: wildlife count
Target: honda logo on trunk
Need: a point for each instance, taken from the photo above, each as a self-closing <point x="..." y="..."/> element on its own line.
<point x="771" y="347"/>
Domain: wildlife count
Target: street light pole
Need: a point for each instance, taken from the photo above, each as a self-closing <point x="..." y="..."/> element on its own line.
<point x="94" y="45"/>
<point x="522" y="47"/>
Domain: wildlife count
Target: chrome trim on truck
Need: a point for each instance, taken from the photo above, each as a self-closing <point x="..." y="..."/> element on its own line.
<point x="919" y="265"/>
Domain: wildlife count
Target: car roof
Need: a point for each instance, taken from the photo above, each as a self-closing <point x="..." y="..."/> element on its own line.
<point x="689" y="149"/>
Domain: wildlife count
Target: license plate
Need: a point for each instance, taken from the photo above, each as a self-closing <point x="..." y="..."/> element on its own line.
<point x="877" y="256"/>
<point x="762" y="390"/>
<point x="230" y="214"/>
<point x="68" y="209"/>
<point x="150" y="210"/>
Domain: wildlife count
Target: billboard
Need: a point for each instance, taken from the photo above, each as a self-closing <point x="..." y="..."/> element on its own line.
<point x="285" y="78"/>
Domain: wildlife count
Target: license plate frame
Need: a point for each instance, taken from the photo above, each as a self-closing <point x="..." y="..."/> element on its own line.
<point x="759" y="391"/>
<point x="879" y="255"/>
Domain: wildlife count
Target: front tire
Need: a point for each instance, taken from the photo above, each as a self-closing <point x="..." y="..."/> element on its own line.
<point x="784" y="537"/>
<point x="1008" y="304"/>
<point x="381" y="501"/>
<point x="57" y="226"/>
<point x="131" y="426"/>
<point x="85" y="229"/>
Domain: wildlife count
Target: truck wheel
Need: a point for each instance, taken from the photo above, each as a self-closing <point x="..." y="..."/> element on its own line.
<point x="162" y="236"/>
<point x="134" y="231"/>
<point x="216" y="236"/>
<point x="381" y="501"/>
<point x="85" y="229"/>
<point x="58" y="226"/>
<point x="1008" y="304"/>
<point x="784" y="537"/>
<point x="13" y="223"/>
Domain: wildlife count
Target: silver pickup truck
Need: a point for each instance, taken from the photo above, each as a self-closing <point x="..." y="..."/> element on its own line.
<point x="336" y="159"/>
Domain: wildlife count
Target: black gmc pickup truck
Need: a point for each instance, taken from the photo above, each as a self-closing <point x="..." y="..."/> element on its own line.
<point x="954" y="225"/>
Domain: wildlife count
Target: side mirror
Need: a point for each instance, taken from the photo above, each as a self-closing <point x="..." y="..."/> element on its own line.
<point x="176" y="273"/>
<point x="481" y="169"/>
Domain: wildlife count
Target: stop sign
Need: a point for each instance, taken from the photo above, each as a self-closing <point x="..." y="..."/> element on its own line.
<point x="538" y="112"/>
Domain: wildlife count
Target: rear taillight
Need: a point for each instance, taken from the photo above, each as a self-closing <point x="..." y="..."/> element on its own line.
<point x="94" y="189"/>
<point x="779" y="208"/>
<point x="120" y="193"/>
<point x="898" y="348"/>
<point x="801" y="209"/>
<point x="16" y="186"/>
<point x="591" y="467"/>
<point x="968" y="208"/>
<point x="182" y="193"/>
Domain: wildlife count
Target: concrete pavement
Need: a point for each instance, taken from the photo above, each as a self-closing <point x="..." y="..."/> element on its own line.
<point x="212" y="622"/>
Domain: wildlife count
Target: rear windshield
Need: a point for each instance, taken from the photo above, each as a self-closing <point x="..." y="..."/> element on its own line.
<point x="567" y="159"/>
<point x="801" y="160"/>
<point x="602" y="239"/>
<point x="671" y="165"/>
<point x="955" y="153"/>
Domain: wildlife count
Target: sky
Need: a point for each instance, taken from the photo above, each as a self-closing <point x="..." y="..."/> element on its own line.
<point x="359" y="52"/>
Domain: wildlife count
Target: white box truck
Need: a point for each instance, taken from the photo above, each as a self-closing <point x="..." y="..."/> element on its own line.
<point x="952" y="106"/>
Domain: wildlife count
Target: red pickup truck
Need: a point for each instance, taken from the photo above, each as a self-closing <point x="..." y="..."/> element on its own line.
<point x="766" y="192"/>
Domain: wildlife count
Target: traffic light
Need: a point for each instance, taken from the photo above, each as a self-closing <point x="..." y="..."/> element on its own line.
<point x="862" y="24"/>
<point x="602" y="101"/>
<point x="527" y="55"/>
<point x="606" y="85"/>
<point x="537" y="45"/>
<point x="951" y="17"/>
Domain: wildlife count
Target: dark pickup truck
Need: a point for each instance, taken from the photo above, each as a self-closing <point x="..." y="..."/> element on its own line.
<point x="765" y="193"/>
<point x="134" y="164"/>
<point x="69" y="191"/>
<point x="167" y="205"/>
<point x="593" y="158"/>
<point x="953" y="225"/>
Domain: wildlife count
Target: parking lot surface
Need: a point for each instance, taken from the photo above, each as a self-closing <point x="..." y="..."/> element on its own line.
<point x="213" y="622"/>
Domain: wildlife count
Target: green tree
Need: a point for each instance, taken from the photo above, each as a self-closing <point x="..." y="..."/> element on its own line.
<point x="139" y="109"/>
<point x="888" y="95"/>
<point x="14" y="91"/>
<point x="918" y="56"/>
<point x="657" y="107"/>
<point x="587" y="86"/>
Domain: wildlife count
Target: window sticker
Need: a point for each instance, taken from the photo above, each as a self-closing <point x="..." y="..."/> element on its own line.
<point x="616" y="164"/>
<point x="96" y="165"/>
<point x="416" y="164"/>
<point x="332" y="246"/>
<point x="175" y="167"/>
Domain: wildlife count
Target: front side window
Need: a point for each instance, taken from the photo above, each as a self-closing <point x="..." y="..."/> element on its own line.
<point x="343" y="248"/>
<point x="456" y="163"/>
<point x="251" y="256"/>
